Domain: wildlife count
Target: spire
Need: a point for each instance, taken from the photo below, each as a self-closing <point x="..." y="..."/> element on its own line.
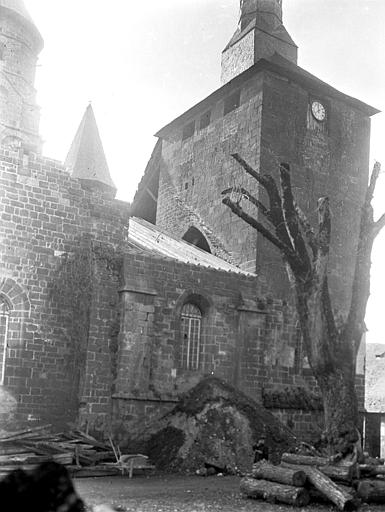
<point x="86" y="158"/>
<point x="260" y="34"/>
<point x="268" y="13"/>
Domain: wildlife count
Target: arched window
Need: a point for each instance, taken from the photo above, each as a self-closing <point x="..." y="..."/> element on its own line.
<point x="4" y="323"/>
<point x="190" y="354"/>
<point x="195" y="237"/>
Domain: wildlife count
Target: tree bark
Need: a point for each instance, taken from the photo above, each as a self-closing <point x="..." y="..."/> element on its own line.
<point x="274" y="492"/>
<point x="371" y="470"/>
<point x="289" y="476"/>
<point x="342" y="499"/>
<point x="341" y="474"/>
<point x="340" y="406"/>
<point x="306" y="460"/>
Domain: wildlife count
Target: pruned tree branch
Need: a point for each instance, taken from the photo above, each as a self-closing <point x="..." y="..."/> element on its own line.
<point x="275" y="201"/>
<point x="355" y="326"/>
<point x="235" y="208"/>
<point x="291" y="218"/>
<point x="378" y="225"/>
<point x="253" y="200"/>
<point x="308" y="230"/>
<point x="254" y="174"/>
<point x="372" y="182"/>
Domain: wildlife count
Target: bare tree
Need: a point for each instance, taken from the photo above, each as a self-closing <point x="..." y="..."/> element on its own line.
<point x="331" y="348"/>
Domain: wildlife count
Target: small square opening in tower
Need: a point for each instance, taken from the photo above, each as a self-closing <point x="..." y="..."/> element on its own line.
<point x="205" y="120"/>
<point x="232" y="102"/>
<point x="188" y="130"/>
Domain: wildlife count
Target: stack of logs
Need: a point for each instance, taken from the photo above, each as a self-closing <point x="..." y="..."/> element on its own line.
<point x="300" y="479"/>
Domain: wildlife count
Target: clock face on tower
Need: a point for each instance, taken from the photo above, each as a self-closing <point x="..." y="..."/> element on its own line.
<point x="318" y="110"/>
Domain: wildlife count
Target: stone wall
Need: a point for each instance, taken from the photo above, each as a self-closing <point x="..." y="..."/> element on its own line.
<point x="250" y="340"/>
<point x="47" y="225"/>
<point x="327" y="159"/>
<point x="194" y="172"/>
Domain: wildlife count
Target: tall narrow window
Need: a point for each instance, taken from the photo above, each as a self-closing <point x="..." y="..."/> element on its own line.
<point x="191" y="318"/>
<point x="4" y="322"/>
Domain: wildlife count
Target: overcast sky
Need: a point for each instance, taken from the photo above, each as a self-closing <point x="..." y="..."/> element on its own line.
<point x="144" y="63"/>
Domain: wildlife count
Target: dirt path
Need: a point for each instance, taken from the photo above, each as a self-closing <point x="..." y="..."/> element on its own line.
<point x="173" y="493"/>
<point x="166" y="493"/>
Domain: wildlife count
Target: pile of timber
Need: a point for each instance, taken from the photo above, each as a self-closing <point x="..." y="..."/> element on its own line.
<point x="82" y="454"/>
<point x="300" y="479"/>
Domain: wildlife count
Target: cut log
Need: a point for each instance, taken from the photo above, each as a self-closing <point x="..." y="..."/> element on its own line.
<point x="265" y="471"/>
<point x="305" y="460"/>
<point x="371" y="470"/>
<point x="343" y="474"/>
<point x="372" y="491"/>
<point x="316" y="495"/>
<point x="274" y="492"/>
<point x="342" y="499"/>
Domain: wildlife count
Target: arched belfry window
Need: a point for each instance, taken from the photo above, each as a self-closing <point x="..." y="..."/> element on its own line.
<point x="195" y="237"/>
<point x="4" y="323"/>
<point x="191" y="320"/>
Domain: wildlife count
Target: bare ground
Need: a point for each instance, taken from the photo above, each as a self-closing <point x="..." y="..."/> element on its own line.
<point x="179" y="493"/>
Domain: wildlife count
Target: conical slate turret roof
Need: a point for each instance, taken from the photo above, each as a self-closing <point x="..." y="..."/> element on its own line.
<point x="19" y="8"/>
<point x="16" y="6"/>
<point x="86" y="158"/>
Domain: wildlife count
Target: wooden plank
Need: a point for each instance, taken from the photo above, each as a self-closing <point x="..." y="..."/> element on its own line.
<point x="21" y="433"/>
<point x="94" y="471"/>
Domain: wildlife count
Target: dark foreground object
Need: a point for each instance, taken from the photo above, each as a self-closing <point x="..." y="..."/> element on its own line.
<point x="48" y="488"/>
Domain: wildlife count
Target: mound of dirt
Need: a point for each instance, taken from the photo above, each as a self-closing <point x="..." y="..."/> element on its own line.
<point x="215" y="423"/>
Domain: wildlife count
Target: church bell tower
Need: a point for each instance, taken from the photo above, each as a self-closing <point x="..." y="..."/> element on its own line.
<point x="260" y="34"/>
<point x="20" y="45"/>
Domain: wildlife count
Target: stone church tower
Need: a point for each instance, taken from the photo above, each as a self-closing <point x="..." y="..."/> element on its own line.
<point x="269" y="110"/>
<point x="20" y="45"/>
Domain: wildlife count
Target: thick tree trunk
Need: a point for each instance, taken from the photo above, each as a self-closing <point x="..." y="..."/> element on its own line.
<point x="331" y="349"/>
<point x="340" y="410"/>
<point x="273" y="492"/>
<point x="372" y="470"/>
<point x="344" y="474"/>
<point x="372" y="491"/>
<point x="342" y="499"/>
<point x="289" y="476"/>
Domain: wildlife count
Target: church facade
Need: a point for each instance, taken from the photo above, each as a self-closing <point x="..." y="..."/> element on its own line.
<point x="110" y="311"/>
